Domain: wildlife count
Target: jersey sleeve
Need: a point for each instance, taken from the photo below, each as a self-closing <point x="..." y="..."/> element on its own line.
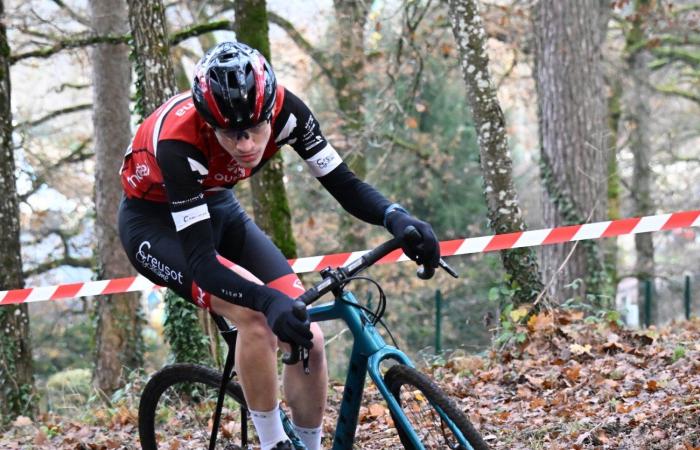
<point x="183" y="168"/>
<point x="302" y="131"/>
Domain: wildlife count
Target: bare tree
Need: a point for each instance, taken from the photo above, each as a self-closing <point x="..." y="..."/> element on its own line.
<point x="16" y="370"/>
<point x="118" y="338"/>
<point x="573" y="134"/>
<point x="504" y="211"/>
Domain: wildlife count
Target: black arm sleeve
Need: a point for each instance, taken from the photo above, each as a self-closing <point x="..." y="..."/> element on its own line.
<point x="357" y="197"/>
<point x="182" y="175"/>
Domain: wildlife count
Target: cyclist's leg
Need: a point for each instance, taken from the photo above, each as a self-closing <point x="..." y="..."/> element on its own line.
<point x="248" y="246"/>
<point x="153" y="247"/>
<point x="151" y="244"/>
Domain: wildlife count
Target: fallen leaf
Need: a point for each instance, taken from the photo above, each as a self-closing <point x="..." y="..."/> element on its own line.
<point x="22" y="421"/>
<point x="579" y="350"/>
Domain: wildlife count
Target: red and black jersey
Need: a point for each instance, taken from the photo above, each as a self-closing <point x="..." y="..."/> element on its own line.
<point x="176" y="159"/>
<point x="206" y="163"/>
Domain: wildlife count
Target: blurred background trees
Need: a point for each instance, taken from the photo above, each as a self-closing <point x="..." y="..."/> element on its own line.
<point x="384" y="79"/>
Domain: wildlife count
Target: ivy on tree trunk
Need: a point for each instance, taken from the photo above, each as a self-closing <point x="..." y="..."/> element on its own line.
<point x="573" y="137"/>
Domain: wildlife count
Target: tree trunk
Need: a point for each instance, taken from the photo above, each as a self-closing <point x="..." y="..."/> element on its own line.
<point x="504" y="211"/>
<point x="573" y="135"/>
<point x="349" y="85"/>
<point x="614" y="112"/>
<point x="155" y="84"/>
<point x="118" y="340"/>
<point x="16" y="370"/>
<point x="270" y="205"/>
<point x="155" y="78"/>
<point x="638" y="115"/>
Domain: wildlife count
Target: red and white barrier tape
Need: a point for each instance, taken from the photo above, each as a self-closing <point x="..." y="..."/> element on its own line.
<point x="482" y="244"/>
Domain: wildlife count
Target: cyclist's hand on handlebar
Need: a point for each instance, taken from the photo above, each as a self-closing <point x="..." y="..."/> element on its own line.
<point x="424" y="251"/>
<point x="288" y="318"/>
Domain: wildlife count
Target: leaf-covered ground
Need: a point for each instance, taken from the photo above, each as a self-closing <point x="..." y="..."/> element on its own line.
<point x="570" y="385"/>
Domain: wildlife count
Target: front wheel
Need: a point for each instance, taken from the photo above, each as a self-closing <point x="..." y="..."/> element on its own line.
<point x="433" y="416"/>
<point x="177" y="407"/>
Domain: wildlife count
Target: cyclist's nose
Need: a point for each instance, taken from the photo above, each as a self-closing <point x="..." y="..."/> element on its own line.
<point x="244" y="145"/>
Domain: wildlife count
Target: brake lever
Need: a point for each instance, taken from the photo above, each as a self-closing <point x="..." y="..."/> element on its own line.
<point x="297" y="354"/>
<point x="426" y="273"/>
<point x="446" y="267"/>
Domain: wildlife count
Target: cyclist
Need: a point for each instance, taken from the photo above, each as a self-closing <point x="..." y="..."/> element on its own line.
<point x="179" y="217"/>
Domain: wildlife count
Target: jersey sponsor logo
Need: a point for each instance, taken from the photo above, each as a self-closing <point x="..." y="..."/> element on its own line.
<point x="312" y="136"/>
<point x="231" y="294"/>
<point x="196" y="198"/>
<point x="183" y="110"/>
<point x="201" y="298"/>
<point x="184" y="219"/>
<point x="152" y="263"/>
<point x="228" y="178"/>
<point x="323" y="162"/>
<point x="310" y="124"/>
<point x="141" y="172"/>
<point x="237" y="170"/>
<point x="297" y="284"/>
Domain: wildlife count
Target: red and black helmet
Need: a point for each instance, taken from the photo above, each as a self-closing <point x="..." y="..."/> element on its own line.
<point x="234" y="87"/>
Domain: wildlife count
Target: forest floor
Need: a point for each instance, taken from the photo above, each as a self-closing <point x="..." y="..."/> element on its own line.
<point x="571" y="384"/>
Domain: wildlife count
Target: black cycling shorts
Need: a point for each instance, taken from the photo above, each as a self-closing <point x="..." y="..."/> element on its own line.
<point x="149" y="238"/>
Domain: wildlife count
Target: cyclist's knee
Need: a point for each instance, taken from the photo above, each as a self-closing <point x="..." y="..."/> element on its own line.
<point x="319" y="342"/>
<point x="251" y="324"/>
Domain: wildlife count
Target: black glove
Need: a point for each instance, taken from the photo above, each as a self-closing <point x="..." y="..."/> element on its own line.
<point x="286" y="317"/>
<point x="425" y="251"/>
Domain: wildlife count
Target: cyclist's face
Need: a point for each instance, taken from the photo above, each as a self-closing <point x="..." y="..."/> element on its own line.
<point x="247" y="146"/>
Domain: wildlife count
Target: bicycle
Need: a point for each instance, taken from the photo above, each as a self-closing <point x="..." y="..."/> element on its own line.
<point x="423" y="415"/>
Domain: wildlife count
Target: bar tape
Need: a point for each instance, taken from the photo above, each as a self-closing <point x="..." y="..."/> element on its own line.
<point x="466" y="246"/>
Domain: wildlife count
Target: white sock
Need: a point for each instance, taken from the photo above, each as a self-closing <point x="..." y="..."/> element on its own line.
<point x="268" y="425"/>
<point x="310" y="436"/>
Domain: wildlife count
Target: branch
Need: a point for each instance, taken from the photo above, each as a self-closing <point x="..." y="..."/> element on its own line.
<point x="83" y="41"/>
<point x="73" y="15"/>
<point x="66" y="260"/>
<point x="676" y="54"/>
<point x="316" y="55"/>
<point x="65" y="86"/>
<point x="54" y="114"/>
<point x="199" y="29"/>
<point x="678" y="92"/>
<point x="54" y="263"/>
<point x="77" y="155"/>
<point x="680" y="40"/>
<point x="75" y="42"/>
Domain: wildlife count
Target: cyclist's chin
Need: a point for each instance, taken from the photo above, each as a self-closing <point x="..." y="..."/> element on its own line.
<point x="248" y="161"/>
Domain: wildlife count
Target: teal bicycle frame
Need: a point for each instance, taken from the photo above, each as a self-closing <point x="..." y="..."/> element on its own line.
<point x="368" y="352"/>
